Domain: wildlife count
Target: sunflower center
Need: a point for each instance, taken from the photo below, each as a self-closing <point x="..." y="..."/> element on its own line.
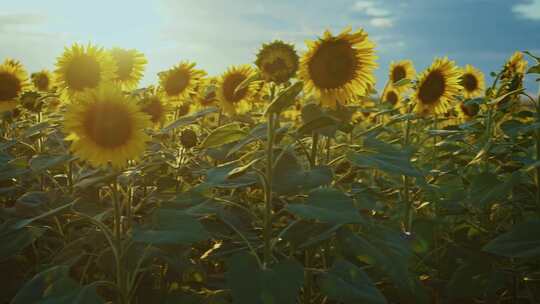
<point x="277" y="68"/>
<point x="109" y="125"/>
<point x="125" y="65"/>
<point x="470" y="83"/>
<point x="41" y="81"/>
<point x="229" y="86"/>
<point x="432" y="88"/>
<point x="398" y="73"/>
<point x="392" y="97"/>
<point x="333" y="64"/>
<point x="155" y="109"/>
<point x="10" y="86"/>
<point x="177" y="82"/>
<point x="83" y="72"/>
<point x="470" y="109"/>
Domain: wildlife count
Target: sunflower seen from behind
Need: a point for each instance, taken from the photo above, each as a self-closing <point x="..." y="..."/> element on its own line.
<point x="83" y="67"/>
<point x="232" y="99"/>
<point x="473" y="82"/>
<point x="180" y="81"/>
<point x="13" y="81"/>
<point x="130" y="66"/>
<point x="105" y="126"/>
<point x="436" y="87"/>
<point x="277" y="61"/>
<point x="467" y="111"/>
<point x="338" y="68"/>
<point x="42" y="80"/>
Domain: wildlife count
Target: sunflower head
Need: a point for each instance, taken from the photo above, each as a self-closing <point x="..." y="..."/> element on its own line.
<point x="337" y="68"/>
<point x="232" y="99"/>
<point x="206" y="93"/>
<point x="400" y="70"/>
<point x="516" y="65"/>
<point x="473" y="82"/>
<point x="155" y="107"/>
<point x="277" y="61"/>
<point x="467" y="111"/>
<point x="437" y="86"/>
<point x="13" y="81"/>
<point x="180" y="81"/>
<point x="130" y="66"/>
<point x="392" y="96"/>
<point x="41" y="80"/>
<point x="106" y="127"/>
<point x="83" y="67"/>
<point x="14" y="63"/>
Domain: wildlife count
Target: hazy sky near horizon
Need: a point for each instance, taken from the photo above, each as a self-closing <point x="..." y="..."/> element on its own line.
<point x="219" y="33"/>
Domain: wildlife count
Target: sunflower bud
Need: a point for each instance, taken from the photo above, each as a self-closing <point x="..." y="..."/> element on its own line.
<point x="188" y="139"/>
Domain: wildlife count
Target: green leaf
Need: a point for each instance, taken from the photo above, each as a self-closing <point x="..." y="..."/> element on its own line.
<point x="327" y="205"/>
<point x="534" y="69"/>
<point x="43" y="162"/>
<point x="289" y="177"/>
<point x="187" y="120"/>
<point x="384" y="157"/>
<point x="521" y="241"/>
<point x="347" y="283"/>
<point x="223" y="176"/>
<point x="285" y="98"/>
<point x="12" y="241"/>
<point x="249" y="284"/>
<point x="317" y="124"/>
<point x="54" y="286"/>
<point x="486" y="188"/>
<point x="402" y="82"/>
<point x="170" y="226"/>
<point x="223" y="135"/>
<point x="513" y="127"/>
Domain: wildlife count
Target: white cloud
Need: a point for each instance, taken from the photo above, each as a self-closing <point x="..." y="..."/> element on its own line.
<point x="381" y="22"/>
<point x="530" y="10"/>
<point x="362" y="5"/>
<point x="377" y="12"/>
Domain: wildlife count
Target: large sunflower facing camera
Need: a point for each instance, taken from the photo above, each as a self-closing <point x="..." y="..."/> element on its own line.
<point x="338" y="68"/>
<point x="106" y="127"/>
<point x="83" y="67"/>
<point x="437" y="86"/>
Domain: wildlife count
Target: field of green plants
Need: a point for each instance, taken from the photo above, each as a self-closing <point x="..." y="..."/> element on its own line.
<point x="289" y="179"/>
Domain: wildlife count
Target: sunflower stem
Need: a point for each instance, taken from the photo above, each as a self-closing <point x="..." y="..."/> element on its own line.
<point x="123" y="293"/>
<point x="408" y="203"/>
<point x="537" y="133"/>
<point x="314" y="147"/>
<point x="268" y="195"/>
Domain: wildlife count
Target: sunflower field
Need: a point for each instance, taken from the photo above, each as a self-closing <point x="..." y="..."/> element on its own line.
<point x="290" y="179"/>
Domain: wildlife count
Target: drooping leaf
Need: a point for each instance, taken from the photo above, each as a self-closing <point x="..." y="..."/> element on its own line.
<point x="521" y="241"/>
<point x="347" y="283"/>
<point x="223" y="135"/>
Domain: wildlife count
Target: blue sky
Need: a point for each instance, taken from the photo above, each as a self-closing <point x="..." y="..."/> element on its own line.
<point x="218" y="33"/>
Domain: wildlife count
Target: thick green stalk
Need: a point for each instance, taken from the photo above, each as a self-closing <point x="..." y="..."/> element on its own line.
<point x="268" y="193"/>
<point x="314" y="147"/>
<point x="408" y="203"/>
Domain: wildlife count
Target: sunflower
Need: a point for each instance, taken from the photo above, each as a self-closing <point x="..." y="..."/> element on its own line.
<point x="156" y="107"/>
<point x="232" y="100"/>
<point x="516" y="65"/>
<point x="13" y="80"/>
<point x="14" y="63"/>
<point x="436" y="86"/>
<point x="41" y="80"/>
<point x="130" y="64"/>
<point x="180" y="81"/>
<point x="337" y="68"/>
<point x="392" y="96"/>
<point x="467" y="111"/>
<point x="106" y="126"/>
<point x="83" y="67"/>
<point x="205" y="95"/>
<point x="403" y="69"/>
<point x="277" y="61"/>
<point x="472" y="81"/>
